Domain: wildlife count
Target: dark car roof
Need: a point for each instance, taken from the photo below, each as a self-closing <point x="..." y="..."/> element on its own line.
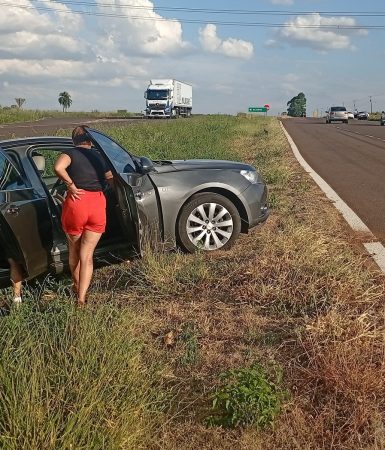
<point x="34" y="141"/>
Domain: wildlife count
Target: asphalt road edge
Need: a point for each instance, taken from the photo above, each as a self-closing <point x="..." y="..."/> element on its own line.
<point x="375" y="249"/>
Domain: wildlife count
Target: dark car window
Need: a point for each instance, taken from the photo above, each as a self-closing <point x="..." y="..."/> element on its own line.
<point x="119" y="157"/>
<point x="338" y="108"/>
<point x="10" y="179"/>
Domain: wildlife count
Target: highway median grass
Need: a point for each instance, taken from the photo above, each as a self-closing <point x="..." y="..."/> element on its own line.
<point x="296" y="297"/>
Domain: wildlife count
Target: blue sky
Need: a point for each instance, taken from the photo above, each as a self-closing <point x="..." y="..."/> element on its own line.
<point x="105" y="63"/>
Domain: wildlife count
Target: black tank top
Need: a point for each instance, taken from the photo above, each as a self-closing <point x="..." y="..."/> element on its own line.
<point x="87" y="169"/>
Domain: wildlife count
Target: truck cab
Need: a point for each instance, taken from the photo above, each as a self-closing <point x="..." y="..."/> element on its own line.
<point x="168" y="98"/>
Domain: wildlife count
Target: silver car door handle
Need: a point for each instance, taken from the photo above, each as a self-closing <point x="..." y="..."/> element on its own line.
<point x="14" y="210"/>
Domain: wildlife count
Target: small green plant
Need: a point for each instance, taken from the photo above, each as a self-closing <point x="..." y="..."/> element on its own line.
<point x="248" y="398"/>
<point x="189" y="337"/>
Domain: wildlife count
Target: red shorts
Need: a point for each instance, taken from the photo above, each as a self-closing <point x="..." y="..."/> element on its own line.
<point x="86" y="213"/>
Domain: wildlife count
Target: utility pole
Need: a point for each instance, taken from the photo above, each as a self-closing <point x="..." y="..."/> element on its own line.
<point x="371" y="104"/>
<point x="354" y="105"/>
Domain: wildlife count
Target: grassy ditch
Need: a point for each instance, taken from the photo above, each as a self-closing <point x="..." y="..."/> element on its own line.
<point x="292" y="317"/>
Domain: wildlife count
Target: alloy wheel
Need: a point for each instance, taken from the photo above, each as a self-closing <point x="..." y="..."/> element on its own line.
<point x="209" y="226"/>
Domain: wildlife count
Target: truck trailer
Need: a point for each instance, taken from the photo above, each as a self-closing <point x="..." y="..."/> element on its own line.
<point x="168" y="98"/>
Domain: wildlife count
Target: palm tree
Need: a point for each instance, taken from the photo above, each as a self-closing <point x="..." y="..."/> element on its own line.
<point x="65" y="100"/>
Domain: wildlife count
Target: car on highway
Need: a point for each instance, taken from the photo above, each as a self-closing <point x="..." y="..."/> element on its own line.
<point x="350" y="115"/>
<point x="362" y="115"/>
<point x="337" y="114"/>
<point x="382" y="120"/>
<point x="194" y="204"/>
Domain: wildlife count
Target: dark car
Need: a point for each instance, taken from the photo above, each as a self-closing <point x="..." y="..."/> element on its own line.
<point x="362" y="115"/>
<point x="195" y="204"/>
<point x="382" y="120"/>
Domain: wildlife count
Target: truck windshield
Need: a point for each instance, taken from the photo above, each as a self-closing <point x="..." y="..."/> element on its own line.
<point x="161" y="94"/>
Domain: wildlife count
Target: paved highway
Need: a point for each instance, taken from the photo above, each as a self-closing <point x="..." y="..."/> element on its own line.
<point x="51" y="125"/>
<point x="351" y="159"/>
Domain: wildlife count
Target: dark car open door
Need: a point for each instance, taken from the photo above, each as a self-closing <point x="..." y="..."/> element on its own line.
<point x="136" y="193"/>
<point x="25" y="225"/>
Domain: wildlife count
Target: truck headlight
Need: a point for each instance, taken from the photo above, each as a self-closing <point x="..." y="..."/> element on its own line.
<point x="252" y="176"/>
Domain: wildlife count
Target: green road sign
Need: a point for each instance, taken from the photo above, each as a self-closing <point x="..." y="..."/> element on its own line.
<point x="257" y="109"/>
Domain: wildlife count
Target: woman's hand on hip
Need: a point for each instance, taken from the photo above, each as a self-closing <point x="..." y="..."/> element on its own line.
<point x="74" y="192"/>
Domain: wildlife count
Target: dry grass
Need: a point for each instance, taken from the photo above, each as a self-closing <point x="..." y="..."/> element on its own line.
<point x="297" y="292"/>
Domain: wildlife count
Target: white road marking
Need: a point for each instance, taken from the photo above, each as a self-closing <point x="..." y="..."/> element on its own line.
<point x="375" y="249"/>
<point x="359" y="134"/>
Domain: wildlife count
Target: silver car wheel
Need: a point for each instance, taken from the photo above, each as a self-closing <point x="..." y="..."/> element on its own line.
<point x="209" y="226"/>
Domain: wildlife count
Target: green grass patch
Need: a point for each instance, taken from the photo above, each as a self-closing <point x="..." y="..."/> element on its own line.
<point x="200" y="137"/>
<point x="74" y="379"/>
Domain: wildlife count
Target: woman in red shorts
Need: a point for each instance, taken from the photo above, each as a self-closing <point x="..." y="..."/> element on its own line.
<point x="85" y="173"/>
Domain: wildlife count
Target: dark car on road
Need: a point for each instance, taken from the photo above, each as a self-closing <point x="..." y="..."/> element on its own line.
<point x="362" y="115"/>
<point x="382" y="121"/>
<point x="195" y="204"/>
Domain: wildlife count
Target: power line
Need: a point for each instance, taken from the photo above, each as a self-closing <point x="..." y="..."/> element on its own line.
<point x="199" y="21"/>
<point x="217" y="11"/>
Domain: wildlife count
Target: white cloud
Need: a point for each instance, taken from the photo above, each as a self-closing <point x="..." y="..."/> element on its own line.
<point x="55" y="47"/>
<point x="151" y="35"/>
<point x="307" y="31"/>
<point x="235" y="48"/>
<point x="27" y="33"/>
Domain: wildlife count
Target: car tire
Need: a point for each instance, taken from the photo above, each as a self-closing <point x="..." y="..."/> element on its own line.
<point x="382" y="124"/>
<point x="346" y="121"/>
<point x="199" y="213"/>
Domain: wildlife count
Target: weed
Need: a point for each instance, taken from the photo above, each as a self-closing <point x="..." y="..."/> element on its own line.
<point x="189" y="338"/>
<point x="248" y="398"/>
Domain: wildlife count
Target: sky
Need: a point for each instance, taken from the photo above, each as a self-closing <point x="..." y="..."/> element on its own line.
<point x="106" y="56"/>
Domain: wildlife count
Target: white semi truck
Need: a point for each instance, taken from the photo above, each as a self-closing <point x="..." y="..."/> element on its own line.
<point x="168" y="98"/>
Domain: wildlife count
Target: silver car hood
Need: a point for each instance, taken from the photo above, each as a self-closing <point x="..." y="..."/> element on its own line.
<point x="199" y="164"/>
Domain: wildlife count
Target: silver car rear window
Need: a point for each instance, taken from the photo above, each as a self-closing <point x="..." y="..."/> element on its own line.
<point x="338" y="108"/>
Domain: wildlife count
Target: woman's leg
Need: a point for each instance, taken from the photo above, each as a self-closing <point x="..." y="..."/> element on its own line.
<point x="89" y="241"/>
<point x="74" y="258"/>
<point x="16" y="278"/>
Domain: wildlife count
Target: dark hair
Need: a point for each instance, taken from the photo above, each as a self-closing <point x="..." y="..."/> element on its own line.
<point x="80" y="135"/>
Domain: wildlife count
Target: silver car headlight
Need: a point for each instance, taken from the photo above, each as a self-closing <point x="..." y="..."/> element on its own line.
<point x="252" y="176"/>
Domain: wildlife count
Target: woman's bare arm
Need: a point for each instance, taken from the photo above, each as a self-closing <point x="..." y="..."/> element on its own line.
<point x="60" y="168"/>
<point x="61" y="165"/>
